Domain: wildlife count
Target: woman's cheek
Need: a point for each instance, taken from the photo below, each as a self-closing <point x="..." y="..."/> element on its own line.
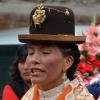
<point x="28" y="60"/>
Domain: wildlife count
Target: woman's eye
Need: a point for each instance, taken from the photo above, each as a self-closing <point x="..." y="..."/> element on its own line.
<point x="46" y="52"/>
<point x="30" y="53"/>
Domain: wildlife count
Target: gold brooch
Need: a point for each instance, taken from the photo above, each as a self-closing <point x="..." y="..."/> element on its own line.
<point x="39" y="16"/>
<point x="67" y="12"/>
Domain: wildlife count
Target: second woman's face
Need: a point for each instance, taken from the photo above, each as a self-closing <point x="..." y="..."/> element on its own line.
<point x="46" y="64"/>
<point x="24" y="71"/>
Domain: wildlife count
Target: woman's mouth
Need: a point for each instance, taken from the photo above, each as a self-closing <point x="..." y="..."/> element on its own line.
<point x="26" y="74"/>
<point x="36" y="70"/>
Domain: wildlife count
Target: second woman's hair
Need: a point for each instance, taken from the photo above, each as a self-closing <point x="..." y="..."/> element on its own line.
<point x="20" y="57"/>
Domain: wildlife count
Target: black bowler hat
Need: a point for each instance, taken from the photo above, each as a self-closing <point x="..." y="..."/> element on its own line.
<point x="51" y="24"/>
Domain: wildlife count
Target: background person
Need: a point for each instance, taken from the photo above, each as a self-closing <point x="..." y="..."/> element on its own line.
<point x="20" y="79"/>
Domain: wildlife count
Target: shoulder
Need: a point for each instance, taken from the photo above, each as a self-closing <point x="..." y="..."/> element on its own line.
<point x="15" y="87"/>
<point x="94" y="89"/>
<point x="8" y="93"/>
<point x="79" y="90"/>
<point x="28" y="95"/>
<point x="18" y="88"/>
<point x="7" y="88"/>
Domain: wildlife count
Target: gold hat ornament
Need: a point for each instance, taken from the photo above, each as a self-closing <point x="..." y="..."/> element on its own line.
<point x="39" y="15"/>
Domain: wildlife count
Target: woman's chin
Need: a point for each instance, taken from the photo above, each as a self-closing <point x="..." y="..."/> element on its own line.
<point x="38" y="77"/>
<point x="37" y="80"/>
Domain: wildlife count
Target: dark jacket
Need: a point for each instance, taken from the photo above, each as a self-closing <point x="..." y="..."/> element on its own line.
<point x="94" y="89"/>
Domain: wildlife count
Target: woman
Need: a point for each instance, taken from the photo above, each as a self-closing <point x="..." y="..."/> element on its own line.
<point x="19" y="75"/>
<point x="53" y="55"/>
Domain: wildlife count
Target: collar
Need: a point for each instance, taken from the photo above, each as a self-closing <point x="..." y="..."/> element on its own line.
<point x="53" y="93"/>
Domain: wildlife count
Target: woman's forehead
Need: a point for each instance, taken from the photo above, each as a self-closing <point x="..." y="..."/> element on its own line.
<point x="42" y="45"/>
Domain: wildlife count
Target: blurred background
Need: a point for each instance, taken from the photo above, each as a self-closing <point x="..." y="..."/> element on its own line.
<point x="14" y="13"/>
<point x="14" y="19"/>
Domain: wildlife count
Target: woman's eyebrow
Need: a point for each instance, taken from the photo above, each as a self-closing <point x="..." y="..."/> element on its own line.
<point x="30" y="46"/>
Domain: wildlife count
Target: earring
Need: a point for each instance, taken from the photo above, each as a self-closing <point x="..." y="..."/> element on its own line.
<point x="64" y="77"/>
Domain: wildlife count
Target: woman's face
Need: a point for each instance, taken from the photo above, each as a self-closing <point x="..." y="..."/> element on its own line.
<point x="46" y="65"/>
<point x="24" y="71"/>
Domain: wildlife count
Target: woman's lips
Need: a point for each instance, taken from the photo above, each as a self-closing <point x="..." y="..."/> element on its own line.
<point x="26" y="74"/>
<point x="36" y="70"/>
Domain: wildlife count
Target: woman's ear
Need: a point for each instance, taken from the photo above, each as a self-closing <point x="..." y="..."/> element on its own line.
<point x="68" y="62"/>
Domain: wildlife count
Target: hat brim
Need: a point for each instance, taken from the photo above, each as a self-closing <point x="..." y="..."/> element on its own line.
<point x="54" y="38"/>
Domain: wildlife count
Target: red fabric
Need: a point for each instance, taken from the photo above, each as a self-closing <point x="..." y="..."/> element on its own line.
<point x="8" y="93"/>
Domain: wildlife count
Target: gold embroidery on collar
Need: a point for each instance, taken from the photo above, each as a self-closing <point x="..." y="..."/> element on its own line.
<point x="80" y="92"/>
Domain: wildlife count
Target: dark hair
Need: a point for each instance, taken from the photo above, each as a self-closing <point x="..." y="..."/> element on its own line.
<point x="71" y="49"/>
<point x="20" y="57"/>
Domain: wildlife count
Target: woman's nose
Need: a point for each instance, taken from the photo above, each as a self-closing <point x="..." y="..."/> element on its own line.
<point x="35" y="58"/>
